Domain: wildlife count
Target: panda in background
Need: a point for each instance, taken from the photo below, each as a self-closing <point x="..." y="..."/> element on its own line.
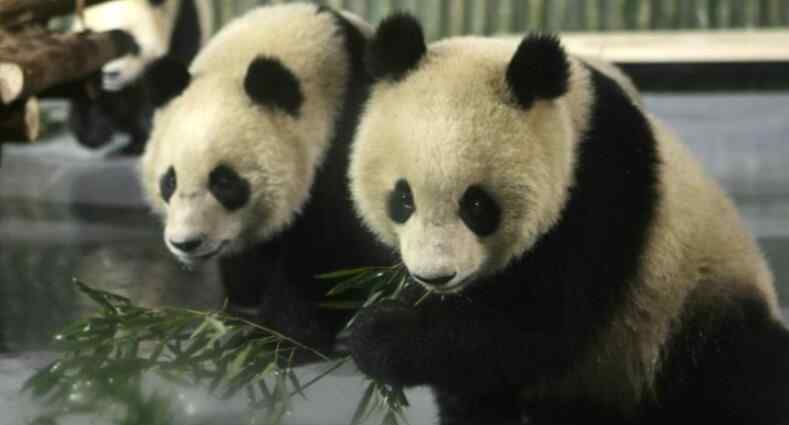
<point x="119" y="98"/>
<point x="583" y="268"/>
<point x="247" y="162"/>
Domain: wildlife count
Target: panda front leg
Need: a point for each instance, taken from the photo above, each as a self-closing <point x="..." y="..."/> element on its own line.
<point x="500" y="407"/>
<point x="467" y="353"/>
<point x="729" y="364"/>
<point x="292" y="310"/>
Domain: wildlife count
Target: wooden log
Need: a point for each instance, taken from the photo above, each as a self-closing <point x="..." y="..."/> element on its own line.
<point x="19" y="121"/>
<point x="16" y="14"/>
<point x="30" y="64"/>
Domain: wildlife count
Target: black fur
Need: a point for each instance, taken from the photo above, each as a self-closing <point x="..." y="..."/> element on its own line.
<point x="269" y="82"/>
<point x="187" y="34"/>
<point x="168" y="182"/>
<point x="396" y="48"/>
<point x="479" y="211"/>
<point x="539" y="70"/>
<point x="279" y="275"/>
<point x="124" y="42"/>
<point x="168" y="79"/>
<point x="230" y="189"/>
<point x="96" y="114"/>
<point x="400" y="204"/>
<point x="530" y="322"/>
<point x="727" y="363"/>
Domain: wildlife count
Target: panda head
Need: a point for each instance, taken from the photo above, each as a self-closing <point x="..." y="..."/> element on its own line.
<point x="465" y="152"/>
<point x="226" y="165"/>
<point x="146" y="21"/>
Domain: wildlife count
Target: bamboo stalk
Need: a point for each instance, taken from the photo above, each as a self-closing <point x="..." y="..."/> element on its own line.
<point x="444" y="16"/>
<point x="431" y="16"/>
<point x="519" y="15"/>
<point x="714" y="13"/>
<point x="631" y="10"/>
<point x="547" y="22"/>
<point x="764" y="15"/>
<point x="737" y="14"/>
<point x="468" y="16"/>
<point x="658" y="17"/>
<point x="687" y="14"/>
<point x="394" y="5"/>
<point x="490" y="10"/>
<point x="604" y="15"/>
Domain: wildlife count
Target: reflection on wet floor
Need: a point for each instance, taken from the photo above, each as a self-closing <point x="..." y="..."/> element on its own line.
<point x="44" y="246"/>
<point x="66" y="213"/>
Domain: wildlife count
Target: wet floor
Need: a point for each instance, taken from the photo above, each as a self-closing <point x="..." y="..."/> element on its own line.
<point x="67" y="212"/>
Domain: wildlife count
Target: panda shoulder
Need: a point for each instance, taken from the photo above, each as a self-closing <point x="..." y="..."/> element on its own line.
<point x="616" y="74"/>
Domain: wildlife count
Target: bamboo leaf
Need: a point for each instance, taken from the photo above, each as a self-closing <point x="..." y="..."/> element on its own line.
<point x="294" y="380"/>
<point x="265" y="390"/>
<point x="359" y="281"/>
<point x="113" y="348"/>
<point x="280" y="406"/>
<point x="346" y="273"/>
<point x="107" y="300"/>
<point x="341" y="305"/>
<point x="363" y="407"/>
<point x="390" y="418"/>
<point x="237" y="364"/>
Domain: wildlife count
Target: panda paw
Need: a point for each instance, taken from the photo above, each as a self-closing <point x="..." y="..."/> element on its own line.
<point x="381" y="340"/>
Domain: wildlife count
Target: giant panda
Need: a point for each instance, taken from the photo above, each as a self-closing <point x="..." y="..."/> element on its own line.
<point x="580" y="266"/>
<point x="119" y="98"/>
<point x="247" y="162"/>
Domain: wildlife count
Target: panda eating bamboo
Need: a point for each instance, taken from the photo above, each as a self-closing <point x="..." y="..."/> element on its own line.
<point x="583" y="267"/>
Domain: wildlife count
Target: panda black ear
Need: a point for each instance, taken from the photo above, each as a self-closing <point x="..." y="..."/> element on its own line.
<point x="168" y="78"/>
<point x="396" y="48"/>
<point x="539" y="70"/>
<point x="269" y="82"/>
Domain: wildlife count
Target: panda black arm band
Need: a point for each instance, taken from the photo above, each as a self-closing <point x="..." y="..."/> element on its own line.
<point x="447" y="344"/>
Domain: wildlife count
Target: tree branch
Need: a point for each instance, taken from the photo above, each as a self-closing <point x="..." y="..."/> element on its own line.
<point x="33" y="62"/>
<point x="15" y="14"/>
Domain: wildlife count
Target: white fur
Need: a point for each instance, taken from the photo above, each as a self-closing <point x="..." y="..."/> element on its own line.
<point x="214" y="122"/>
<point x="452" y="123"/>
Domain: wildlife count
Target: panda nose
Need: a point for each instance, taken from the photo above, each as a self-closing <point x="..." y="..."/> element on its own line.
<point x="437" y="280"/>
<point x="188" y="245"/>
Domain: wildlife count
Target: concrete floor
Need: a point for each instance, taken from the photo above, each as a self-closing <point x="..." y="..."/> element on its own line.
<point x="66" y="211"/>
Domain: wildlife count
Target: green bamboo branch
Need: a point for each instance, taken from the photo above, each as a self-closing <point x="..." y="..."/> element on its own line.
<point x="103" y="358"/>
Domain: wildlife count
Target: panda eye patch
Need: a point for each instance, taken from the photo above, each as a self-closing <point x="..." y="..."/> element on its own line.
<point x="401" y="202"/>
<point x="479" y="211"/>
<point x="167" y="184"/>
<point x="230" y="189"/>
